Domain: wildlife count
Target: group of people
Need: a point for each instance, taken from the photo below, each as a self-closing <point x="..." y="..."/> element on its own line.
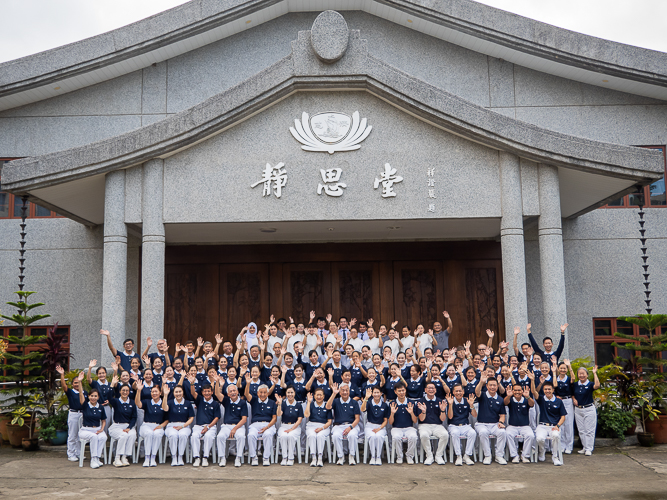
<point x="310" y="382"/>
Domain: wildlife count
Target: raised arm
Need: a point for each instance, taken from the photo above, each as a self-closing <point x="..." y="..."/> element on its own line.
<point x="89" y="375"/>
<point x="137" y="395"/>
<point x="82" y="396"/>
<point x="596" y="385"/>
<point x="165" y="394"/>
<point x="515" y="342"/>
<point x="334" y="393"/>
<point x="109" y="343"/>
<point x="561" y="344"/>
<point x="309" y="399"/>
<point x="149" y="343"/>
<point x="63" y="382"/>
<point x="450" y="325"/>
<point x="482" y="382"/>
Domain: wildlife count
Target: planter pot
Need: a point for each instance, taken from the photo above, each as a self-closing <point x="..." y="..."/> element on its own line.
<point x="17" y="433"/>
<point x="4" y="420"/>
<point x="646" y="439"/>
<point x="30" y="444"/>
<point x="60" y="439"/>
<point x="658" y="427"/>
<point x="631" y="430"/>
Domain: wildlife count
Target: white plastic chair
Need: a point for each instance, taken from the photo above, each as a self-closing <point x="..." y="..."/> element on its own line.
<point x="140" y="440"/>
<point x="519" y="439"/>
<point x="84" y="442"/>
<point x="464" y="441"/>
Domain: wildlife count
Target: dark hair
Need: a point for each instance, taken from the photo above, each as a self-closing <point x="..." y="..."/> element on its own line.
<point x="289" y="387"/>
<point x="93" y="391"/>
<point x="363" y="323"/>
<point x="342" y="318"/>
<point x="458" y="385"/>
<point x="525" y="343"/>
<point x="279" y="320"/>
<point x="491" y="380"/>
<point x="148" y="370"/>
<point x="313" y="325"/>
<point x="312" y="351"/>
<point x="289" y="354"/>
<point x="400" y="385"/>
<point x="268" y="354"/>
<point x="319" y="389"/>
<point x="189" y="342"/>
<point x="120" y="388"/>
<point x="549" y="383"/>
<point x="546" y="338"/>
<point x="395" y="364"/>
<point x="127" y="340"/>
<point x="298" y="365"/>
<point x="206" y="386"/>
<point x="406" y="326"/>
<point x="344" y="371"/>
<point x="430" y="383"/>
<point x="321" y="318"/>
<point x="100" y="368"/>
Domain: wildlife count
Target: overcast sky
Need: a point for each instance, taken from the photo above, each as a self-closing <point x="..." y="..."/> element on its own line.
<point x="31" y="26"/>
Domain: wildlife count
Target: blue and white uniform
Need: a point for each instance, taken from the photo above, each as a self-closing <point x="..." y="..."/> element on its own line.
<point x="344" y="414"/>
<point x="291" y="413"/>
<point x="73" y="422"/>
<point x="91" y="422"/>
<point x="519" y="426"/>
<point x="234" y="413"/>
<point x="585" y="413"/>
<point x="431" y="426"/>
<point x="376" y="414"/>
<point x="262" y="413"/>
<point x="491" y="408"/>
<point x="154" y="417"/>
<point x="563" y="391"/>
<point x="551" y="411"/>
<point x="179" y="412"/>
<point x="403" y="428"/>
<point x="124" y="417"/>
<point x="459" y="427"/>
<point x="319" y="416"/>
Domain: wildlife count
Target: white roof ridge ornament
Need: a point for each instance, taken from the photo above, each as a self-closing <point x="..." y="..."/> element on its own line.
<point x="330" y="132"/>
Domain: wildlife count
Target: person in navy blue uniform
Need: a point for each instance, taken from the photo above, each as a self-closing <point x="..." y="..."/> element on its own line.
<point x="491" y="418"/>
<point x="93" y="422"/>
<point x="318" y="381"/>
<point x="155" y="420"/>
<point x="233" y="379"/>
<point x="233" y="422"/>
<point x="563" y="391"/>
<point x="263" y="418"/>
<point x="548" y="344"/>
<point x="372" y="381"/>
<point x="519" y="402"/>
<point x="208" y="414"/>
<point x="355" y="391"/>
<point x="584" y="406"/>
<point x="180" y="415"/>
<point x="432" y="412"/>
<point x="402" y="420"/>
<point x="123" y="427"/>
<point x="415" y="384"/>
<point x="346" y="422"/>
<point x="103" y="387"/>
<point x="74" y="415"/>
<point x="162" y="353"/>
<point x="459" y="411"/>
<point x="126" y="354"/>
<point x="391" y="382"/>
<point x="291" y="413"/>
<point x="552" y="416"/>
<point x="377" y="418"/>
<point x="318" y="427"/>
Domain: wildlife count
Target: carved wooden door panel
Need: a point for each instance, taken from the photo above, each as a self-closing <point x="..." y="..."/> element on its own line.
<point x="418" y="293"/>
<point x="191" y="302"/>
<point x="244" y="297"/>
<point x="355" y="290"/>
<point x="306" y="287"/>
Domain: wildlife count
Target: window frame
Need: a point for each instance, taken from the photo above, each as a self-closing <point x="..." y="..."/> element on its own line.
<point x="32" y="208"/>
<point x="608" y="339"/>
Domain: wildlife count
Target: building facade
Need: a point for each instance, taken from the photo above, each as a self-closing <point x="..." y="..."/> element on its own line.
<point x="225" y="160"/>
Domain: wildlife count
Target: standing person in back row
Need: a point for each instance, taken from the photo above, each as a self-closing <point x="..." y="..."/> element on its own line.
<point x="548" y="344"/>
<point x="126" y="354"/>
<point x="584" y="407"/>
<point x="442" y="336"/>
<point x="74" y="415"/>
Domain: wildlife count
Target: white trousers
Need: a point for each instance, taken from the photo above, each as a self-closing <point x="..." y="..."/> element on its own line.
<point x="567" y="429"/>
<point x="196" y="437"/>
<point x="457" y="432"/>
<point x="397" y="436"/>
<point x="126" y="440"/>
<point x="267" y="439"/>
<point x="223" y="435"/>
<point x="541" y="434"/>
<point x="73" y="426"/>
<point x="97" y="441"/>
<point x="375" y="439"/>
<point x="587" y="420"/>
<point x="288" y="440"/>
<point x="485" y="431"/>
<point x="352" y="439"/>
<point x="426" y="432"/>
<point x="524" y="432"/>
<point x="178" y="439"/>
<point x="316" y="440"/>
<point x="532" y="417"/>
<point x="152" y="438"/>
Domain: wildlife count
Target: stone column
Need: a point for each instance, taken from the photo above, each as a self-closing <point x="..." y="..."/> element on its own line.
<point x="552" y="268"/>
<point x="512" y="246"/>
<point x="152" y="252"/>
<point x="114" y="268"/>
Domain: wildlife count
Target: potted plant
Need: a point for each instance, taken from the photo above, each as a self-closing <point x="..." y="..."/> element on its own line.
<point x="54" y="354"/>
<point x="652" y="385"/>
<point x="20" y="433"/>
<point x="647" y="412"/>
<point x="53" y="428"/>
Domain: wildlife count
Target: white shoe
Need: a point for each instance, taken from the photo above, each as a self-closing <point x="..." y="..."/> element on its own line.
<point x="147" y="462"/>
<point x="290" y="463"/>
<point x="118" y="462"/>
<point x="501" y="460"/>
<point x="440" y="460"/>
<point x="284" y="462"/>
<point x="153" y="461"/>
<point x="372" y="461"/>
<point x="516" y="460"/>
<point x="237" y="462"/>
<point x="341" y="461"/>
<point x="409" y="460"/>
<point x="568" y="452"/>
<point x="351" y="460"/>
<point x="557" y="462"/>
<point x="314" y="462"/>
<point x="73" y="459"/>
<point x="588" y="453"/>
<point x="254" y="462"/>
<point x="428" y="461"/>
<point x="125" y="461"/>
<point x="459" y="460"/>
<point x="487" y="461"/>
<point x="320" y="463"/>
<point x="180" y="460"/>
<point x="541" y="458"/>
<point x="266" y="462"/>
<point x="223" y="461"/>
<point x="468" y="460"/>
<point x="174" y="461"/>
<point x="399" y="460"/>
<point x="196" y="462"/>
<point x="95" y="463"/>
<point x="581" y="452"/>
<point x="204" y="462"/>
<point x="525" y="460"/>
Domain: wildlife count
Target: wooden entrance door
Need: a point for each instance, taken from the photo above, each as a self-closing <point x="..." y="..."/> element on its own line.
<point x="244" y="297"/>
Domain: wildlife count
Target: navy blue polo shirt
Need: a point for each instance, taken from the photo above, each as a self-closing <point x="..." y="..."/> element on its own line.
<point x="278" y="390"/>
<point x="262" y="411"/>
<point x="173" y="384"/>
<point x="506" y="382"/>
<point x="415" y="388"/>
<point x="206" y="410"/>
<point x="344" y="412"/>
<point x="106" y="391"/>
<point x="368" y="385"/>
<point x="154" y="355"/>
<point x="92" y="415"/>
<point x="357" y="377"/>
<point x="405" y="371"/>
<point x="432" y="411"/>
<point x="452" y="383"/>
<point x="157" y="377"/>
<point x="234" y="410"/>
<point x="180" y="413"/>
<point x="126" y="361"/>
<point x="439" y="388"/>
<point x="337" y="372"/>
<point x="375" y="414"/>
<point x="471" y="387"/>
<point x="551" y="410"/>
<point x="289" y="376"/>
<point x="211" y="362"/>
<point x="146" y="390"/>
<point x="320" y="414"/>
<point x="327" y="390"/>
<point x="202" y="377"/>
<point x="73" y="399"/>
<point x="582" y="393"/>
<point x="460" y="413"/>
<point x="548" y="379"/>
<point x="519" y="412"/>
<point x="252" y="362"/>
<point x="309" y="369"/>
<point x="240" y="385"/>
<point x="116" y="390"/>
<point x="265" y="375"/>
<point x="490" y="409"/>
<point x="124" y="412"/>
<point x="229" y="358"/>
<point x="191" y="359"/>
<point x="563" y="388"/>
<point x="222" y="374"/>
<point x="291" y="413"/>
<point x="253" y="387"/>
<point x="523" y="382"/>
<point x="402" y="419"/>
<point x="299" y="389"/>
<point x="389" y="386"/>
<point x="187" y="393"/>
<point x="153" y="413"/>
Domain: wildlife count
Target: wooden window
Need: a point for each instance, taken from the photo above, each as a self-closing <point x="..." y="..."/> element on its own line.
<point x="603" y="334"/>
<point x="10" y="205"/>
<point x="654" y="194"/>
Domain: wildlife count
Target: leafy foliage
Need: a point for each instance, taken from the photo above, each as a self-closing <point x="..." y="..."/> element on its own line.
<point x="53" y="354"/>
<point x="614" y="421"/>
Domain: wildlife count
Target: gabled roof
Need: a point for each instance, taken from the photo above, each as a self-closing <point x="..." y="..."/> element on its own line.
<point x="466" y="23"/>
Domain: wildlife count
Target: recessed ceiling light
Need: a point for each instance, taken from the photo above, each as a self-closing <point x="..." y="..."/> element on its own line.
<point x="409" y="20"/>
<point x="605" y="81"/>
<point x="268" y="229"/>
<point x="248" y="21"/>
<point x="331" y="229"/>
<point x="56" y="88"/>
